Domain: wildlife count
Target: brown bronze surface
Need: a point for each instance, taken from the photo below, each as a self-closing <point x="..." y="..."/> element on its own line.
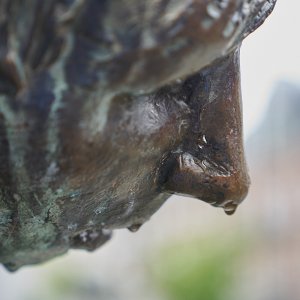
<point x="108" y="107"/>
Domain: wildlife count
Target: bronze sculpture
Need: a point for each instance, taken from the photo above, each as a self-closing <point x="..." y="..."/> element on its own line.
<point x="108" y="107"/>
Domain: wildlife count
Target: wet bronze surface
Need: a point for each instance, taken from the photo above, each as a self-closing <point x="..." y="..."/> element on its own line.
<point x="109" y="107"/>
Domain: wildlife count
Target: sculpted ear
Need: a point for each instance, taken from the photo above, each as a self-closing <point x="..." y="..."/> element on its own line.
<point x="211" y="165"/>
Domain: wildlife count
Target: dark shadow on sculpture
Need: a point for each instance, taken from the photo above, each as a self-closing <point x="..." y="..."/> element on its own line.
<point x="107" y="108"/>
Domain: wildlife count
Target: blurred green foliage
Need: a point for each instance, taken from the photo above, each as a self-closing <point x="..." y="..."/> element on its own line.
<point x="195" y="269"/>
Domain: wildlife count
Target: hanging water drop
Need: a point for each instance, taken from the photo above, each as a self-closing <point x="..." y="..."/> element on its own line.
<point x="230" y="208"/>
<point x="134" y="227"/>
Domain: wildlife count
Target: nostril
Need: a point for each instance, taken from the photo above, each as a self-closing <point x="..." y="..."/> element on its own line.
<point x="220" y="187"/>
<point x="234" y="188"/>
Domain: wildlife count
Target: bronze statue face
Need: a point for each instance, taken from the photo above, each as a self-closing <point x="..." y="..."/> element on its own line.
<point x="108" y="107"/>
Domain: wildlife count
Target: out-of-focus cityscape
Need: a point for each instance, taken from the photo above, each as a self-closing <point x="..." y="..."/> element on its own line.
<point x="189" y="250"/>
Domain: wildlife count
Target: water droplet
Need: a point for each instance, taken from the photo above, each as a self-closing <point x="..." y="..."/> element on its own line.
<point x="134" y="227"/>
<point x="230" y="208"/>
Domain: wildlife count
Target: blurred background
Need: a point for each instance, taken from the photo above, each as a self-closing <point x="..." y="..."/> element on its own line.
<point x="189" y="250"/>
